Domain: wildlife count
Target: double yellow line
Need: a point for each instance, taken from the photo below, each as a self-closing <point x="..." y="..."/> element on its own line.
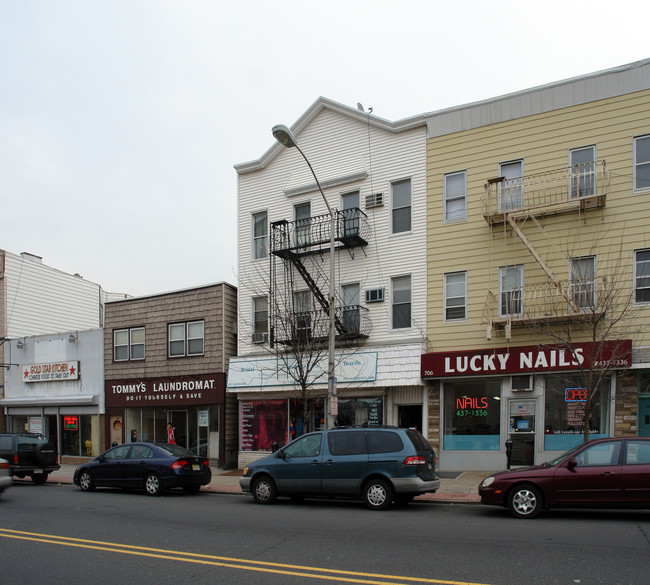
<point x="227" y="562"/>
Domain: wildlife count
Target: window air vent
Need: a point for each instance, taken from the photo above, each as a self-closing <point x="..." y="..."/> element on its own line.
<point x="521" y="383"/>
<point x="375" y="295"/>
<point x="374" y="200"/>
<point x="259" y="337"/>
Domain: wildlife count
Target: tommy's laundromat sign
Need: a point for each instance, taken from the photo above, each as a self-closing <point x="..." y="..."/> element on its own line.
<point x="172" y="391"/>
<point x="54" y="372"/>
<point x="532" y="358"/>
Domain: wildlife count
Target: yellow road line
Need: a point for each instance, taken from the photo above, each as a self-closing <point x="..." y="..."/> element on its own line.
<point x="228" y="562"/>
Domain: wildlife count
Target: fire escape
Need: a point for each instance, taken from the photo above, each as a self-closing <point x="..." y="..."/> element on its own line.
<point x="518" y="206"/>
<point x="299" y="258"/>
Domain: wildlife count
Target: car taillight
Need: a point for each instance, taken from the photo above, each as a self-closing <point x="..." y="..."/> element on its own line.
<point x="179" y="464"/>
<point x="16" y="458"/>
<point x="206" y="463"/>
<point x="415" y="460"/>
<point x="4" y="465"/>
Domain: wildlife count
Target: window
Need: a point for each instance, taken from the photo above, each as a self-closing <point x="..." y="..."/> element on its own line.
<point x="455" y="296"/>
<point x="308" y="446"/>
<point x="260" y="319"/>
<point x="642" y="276"/>
<point x="302" y="308"/>
<point x="128" y="344"/>
<point x="583" y="171"/>
<point x="455" y="196"/>
<point x="511" y="190"/>
<point x="186" y="339"/>
<point x="582" y="281"/>
<point x="347" y="443"/>
<point x="401" y="206"/>
<point x="511" y="290"/>
<point x="302" y="217"/>
<point x="599" y="455"/>
<point x="642" y="163"/>
<point x="351" y="316"/>
<point x="260" y="235"/>
<point x="351" y="220"/>
<point x="401" y="302"/>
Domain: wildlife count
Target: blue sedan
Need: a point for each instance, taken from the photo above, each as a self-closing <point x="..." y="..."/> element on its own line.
<point x="149" y="466"/>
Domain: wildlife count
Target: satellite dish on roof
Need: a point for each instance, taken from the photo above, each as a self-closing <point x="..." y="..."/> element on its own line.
<point x="360" y="107"/>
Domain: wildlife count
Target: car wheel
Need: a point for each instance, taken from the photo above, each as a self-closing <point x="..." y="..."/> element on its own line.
<point x="86" y="482"/>
<point x="191" y="489"/>
<point x="378" y="494"/>
<point x="264" y="490"/>
<point x="525" y="501"/>
<point x="39" y="478"/>
<point x="152" y="484"/>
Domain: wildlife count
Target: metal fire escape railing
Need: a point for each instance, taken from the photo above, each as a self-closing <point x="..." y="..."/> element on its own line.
<point x="512" y="202"/>
<point x="301" y="245"/>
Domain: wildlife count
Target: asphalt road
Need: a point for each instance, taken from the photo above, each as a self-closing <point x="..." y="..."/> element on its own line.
<point x="57" y="534"/>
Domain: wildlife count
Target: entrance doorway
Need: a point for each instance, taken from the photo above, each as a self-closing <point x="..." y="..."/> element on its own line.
<point x="644" y="416"/>
<point x="522" y="431"/>
<point x="410" y="416"/>
<point x="178" y="418"/>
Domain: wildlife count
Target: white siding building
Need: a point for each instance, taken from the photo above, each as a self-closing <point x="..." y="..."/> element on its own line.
<point x="373" y="174"/>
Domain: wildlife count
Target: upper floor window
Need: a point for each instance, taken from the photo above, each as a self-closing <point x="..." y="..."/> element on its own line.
<point x="582" y="274"/>
<point x="511" y="290"/>
<point x="302" y="309"/>
<point x="128" y="344"/>
<point x="351" y="220"/>
<point x="351" y="301"/>
<point x="302" y="216"/>
<point x="583" y="171"/>
<point x="455" y="296"/>
<point x="401" y="298"/>
<point x="511" y="190"/>
<point x="642" y="276"/>
<point x="260" y="235"/>
<point x="186" y="339"/>
<point x="642" y="163"/>
<point x="401" y="206"/>
<point x="455" y="196"/>
<point x="260" y="319"/>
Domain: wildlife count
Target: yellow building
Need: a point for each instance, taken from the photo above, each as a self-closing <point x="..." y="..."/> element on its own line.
<point x="538" y="270"/>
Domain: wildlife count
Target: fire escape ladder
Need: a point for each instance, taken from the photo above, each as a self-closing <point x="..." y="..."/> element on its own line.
<point x="565" y="294"/>
<point x="320" y="297"/>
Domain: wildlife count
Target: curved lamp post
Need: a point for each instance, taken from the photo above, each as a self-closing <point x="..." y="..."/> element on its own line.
<point x="285" y="137"/>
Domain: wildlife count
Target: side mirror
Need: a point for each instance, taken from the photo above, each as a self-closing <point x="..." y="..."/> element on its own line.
<point x="571" y="464"/>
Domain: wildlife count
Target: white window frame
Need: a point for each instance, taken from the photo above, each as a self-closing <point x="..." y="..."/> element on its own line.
<point x="261" y="239"/>
<point x="184" y="326"/>
<point x="583" y="172"/>
<point x="518" y="268"/>
<point x="394" y="209"/>
<point x="454" y="197"/>
<point x="637" y="164"/>
<point x="637" y="276"/>
<point x="260" y="326"/>
<point x="130" y="344"/>
<point x="395" y="305"/>
<point x="511" y="191"/>
<point x="580" y="288"/>
<point x="448" y="297"/>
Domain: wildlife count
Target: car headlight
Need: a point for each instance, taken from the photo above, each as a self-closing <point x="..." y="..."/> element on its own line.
<point x="487" y="481"/>
<point x="245" y="472"/>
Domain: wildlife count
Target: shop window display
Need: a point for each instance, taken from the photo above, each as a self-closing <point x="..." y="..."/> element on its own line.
<point x="360" y="412"/>
<point x="472" y="413"/>
<point x="564" y="412"/>
<point x="263" y="422"/>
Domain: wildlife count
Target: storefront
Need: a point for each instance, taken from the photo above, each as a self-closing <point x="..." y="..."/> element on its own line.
<point x="54" y="387"/>
<point x="373" y="387"/>
<point x="536" y="397"/>
<point x="141" y="410"/>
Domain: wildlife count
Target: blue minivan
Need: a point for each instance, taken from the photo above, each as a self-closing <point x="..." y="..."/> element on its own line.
<point x="377" y="464"/>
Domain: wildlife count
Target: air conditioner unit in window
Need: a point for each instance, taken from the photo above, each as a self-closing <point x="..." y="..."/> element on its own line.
<point x="374" y="200"/>
<point x="259" y="337"/>
<point x="374" y="295"/>
<point x="521" y="383"/>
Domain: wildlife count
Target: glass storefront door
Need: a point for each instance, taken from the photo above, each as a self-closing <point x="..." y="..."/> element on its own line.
<point x="521" y="430"/>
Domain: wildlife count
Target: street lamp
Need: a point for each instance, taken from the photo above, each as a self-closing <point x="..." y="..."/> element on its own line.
<point x="285" y="137"/>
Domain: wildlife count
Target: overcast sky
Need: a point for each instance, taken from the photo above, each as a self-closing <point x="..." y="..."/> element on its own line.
<point x="121" y="120"/>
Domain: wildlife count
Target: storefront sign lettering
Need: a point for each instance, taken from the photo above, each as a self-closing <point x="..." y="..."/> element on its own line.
<point x="515" y="360"/>
<point x="575" y="395"/>
<point x="54" y="372"/>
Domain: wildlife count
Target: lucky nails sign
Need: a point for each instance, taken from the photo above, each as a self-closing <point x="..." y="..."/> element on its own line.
<point x="527" y="359"/>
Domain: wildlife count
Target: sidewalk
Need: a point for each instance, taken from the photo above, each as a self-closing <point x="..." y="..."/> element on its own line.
<point x="455" y="487"/>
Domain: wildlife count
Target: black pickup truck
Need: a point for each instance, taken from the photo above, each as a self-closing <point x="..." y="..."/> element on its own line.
<point x="29" y="454"/>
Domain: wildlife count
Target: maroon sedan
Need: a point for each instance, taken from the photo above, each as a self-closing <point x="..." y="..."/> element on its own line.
<point x="603" y="473"/>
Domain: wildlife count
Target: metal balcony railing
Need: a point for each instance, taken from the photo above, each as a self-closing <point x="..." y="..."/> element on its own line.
<point x="312" y="234"/>
<point x="313" y="326"/>
<point x="558" y="190"/>
<point x="545" y="302"/>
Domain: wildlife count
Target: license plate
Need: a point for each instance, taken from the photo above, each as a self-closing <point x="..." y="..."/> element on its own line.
<point x="38" y="471"/>
<point x="196" y="467"/>
<point x="429" y="466"/>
